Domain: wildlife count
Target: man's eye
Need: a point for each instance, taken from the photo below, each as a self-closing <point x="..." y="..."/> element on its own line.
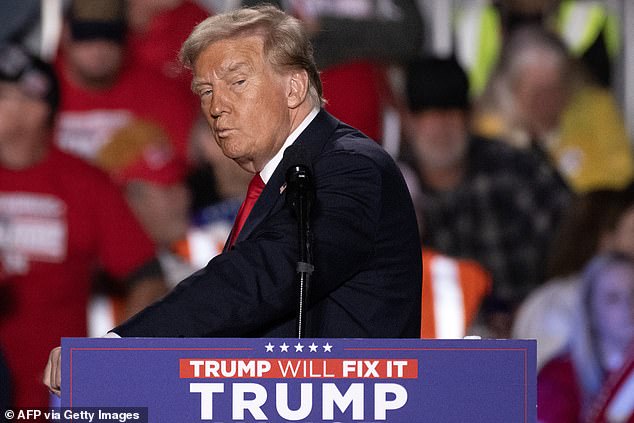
<point x="239" y="82"/>
<point x="206" y="93"/>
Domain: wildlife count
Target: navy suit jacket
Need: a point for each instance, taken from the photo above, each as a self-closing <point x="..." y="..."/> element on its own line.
<point x="366" y="253"/>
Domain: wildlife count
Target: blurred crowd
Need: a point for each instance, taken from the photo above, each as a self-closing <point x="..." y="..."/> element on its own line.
<point x="513" y="146"/>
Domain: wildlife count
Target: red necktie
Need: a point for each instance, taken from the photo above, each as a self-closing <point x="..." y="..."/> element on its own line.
<point x="253" y="192"/>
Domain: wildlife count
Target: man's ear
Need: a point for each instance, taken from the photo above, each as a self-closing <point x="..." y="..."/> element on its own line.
<point x="297" y="88"/>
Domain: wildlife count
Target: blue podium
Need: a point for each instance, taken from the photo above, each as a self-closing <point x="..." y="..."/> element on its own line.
<point x="293" y="380"/>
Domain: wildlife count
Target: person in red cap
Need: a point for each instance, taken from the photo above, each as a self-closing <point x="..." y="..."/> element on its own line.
<point x="141" y="160"/>
<point x="61" y="220"/>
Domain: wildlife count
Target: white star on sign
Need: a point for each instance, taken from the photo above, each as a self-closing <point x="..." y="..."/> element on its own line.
<point x="269" y="347"/>
<point x="327" y="347"/>
<point x="284" y="347"/>
<point x="313" y="347"/>
<point x="299" y="347"/>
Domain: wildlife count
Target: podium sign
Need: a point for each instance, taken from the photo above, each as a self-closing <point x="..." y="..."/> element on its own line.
<point x="304" y="380"/>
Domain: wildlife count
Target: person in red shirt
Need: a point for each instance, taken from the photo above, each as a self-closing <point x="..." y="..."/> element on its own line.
<point x="60" y="221"/>
<point x="104" y="85"/>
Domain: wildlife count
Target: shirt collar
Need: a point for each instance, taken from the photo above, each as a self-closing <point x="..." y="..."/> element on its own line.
<point x="270" y="167"/>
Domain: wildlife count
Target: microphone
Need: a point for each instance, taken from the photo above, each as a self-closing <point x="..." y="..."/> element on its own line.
<point x="300" y="189"/>
<point x="300" y="194"/>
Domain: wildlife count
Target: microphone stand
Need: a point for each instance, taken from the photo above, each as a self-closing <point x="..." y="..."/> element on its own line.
<point x="304" y="265"/>
<point x="301" y="189"/>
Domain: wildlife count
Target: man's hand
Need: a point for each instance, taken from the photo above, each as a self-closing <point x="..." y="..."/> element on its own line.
<point x="53" y="371"/>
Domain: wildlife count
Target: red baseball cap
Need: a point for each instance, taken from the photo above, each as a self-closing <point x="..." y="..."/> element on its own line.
<point x="142" y="151"/>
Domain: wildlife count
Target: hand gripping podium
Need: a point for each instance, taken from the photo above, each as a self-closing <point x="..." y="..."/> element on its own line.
<point x="300" y="380"/>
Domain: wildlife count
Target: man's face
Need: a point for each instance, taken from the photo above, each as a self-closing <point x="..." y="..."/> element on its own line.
<point x="163" y="210"/>
<point x="22" y="117"/>
<point x="95" y="63"/>
<point x="440" y="137"/>
<point x="244" y="100"/>
<point x="612" y="304"/>
<point x="540" y="97"/>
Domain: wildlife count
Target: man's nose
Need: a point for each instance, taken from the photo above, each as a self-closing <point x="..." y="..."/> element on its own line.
<point x="219" y="104"/>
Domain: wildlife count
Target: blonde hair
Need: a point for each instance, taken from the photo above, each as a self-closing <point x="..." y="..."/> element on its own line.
<point x="286" y="44"/>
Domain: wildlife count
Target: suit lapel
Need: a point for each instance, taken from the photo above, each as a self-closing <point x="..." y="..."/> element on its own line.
<point x="273" y="196"/>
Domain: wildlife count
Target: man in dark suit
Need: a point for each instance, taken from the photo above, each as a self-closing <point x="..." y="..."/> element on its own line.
<point x="260" y="92"/>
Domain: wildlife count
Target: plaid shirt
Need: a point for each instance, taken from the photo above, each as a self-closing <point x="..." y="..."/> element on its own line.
<point x="504" y="215"/>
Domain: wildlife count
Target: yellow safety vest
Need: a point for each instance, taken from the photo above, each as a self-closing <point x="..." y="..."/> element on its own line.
<point x="478" y="30"/>
<point x="579" y="23"/>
